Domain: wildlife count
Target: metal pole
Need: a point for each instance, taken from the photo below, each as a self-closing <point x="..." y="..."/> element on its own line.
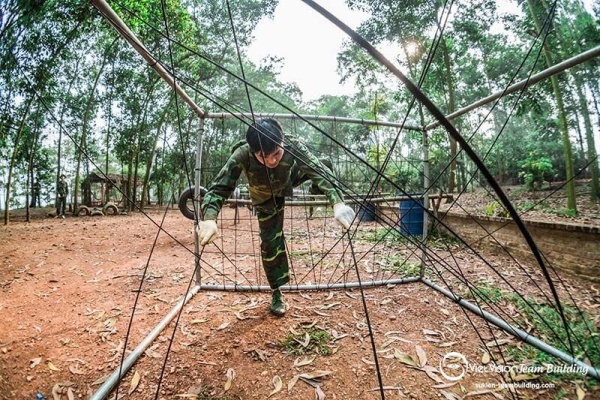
<point x="128" y="35"/>
<point x="325" y="118"/>
<point x="113" y="379"/>
<point x="560" y="67"/>
<point x="292" y="288"/>
<point x="425" y="201"/>
<point x="519" y="333"/>
<point x="196" y="204"/>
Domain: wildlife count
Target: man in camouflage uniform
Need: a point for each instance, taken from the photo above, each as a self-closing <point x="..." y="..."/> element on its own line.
<point x="272" y="167"/>
<point x="62" y="190"/>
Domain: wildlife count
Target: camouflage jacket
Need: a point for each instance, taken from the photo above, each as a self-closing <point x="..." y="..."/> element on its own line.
<point x="62" y="189"/>
<point x="297" y="161"/>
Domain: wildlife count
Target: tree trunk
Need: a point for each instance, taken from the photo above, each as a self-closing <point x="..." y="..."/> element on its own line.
<point x="30" y="178"/>
<point x="564" y="128"/>
<point x="451" y="102"/>
<point x="84" y="128"/>
<point x="152" y="156"/>
<point x="592" y="157"/>
<point x="13" y="159"/>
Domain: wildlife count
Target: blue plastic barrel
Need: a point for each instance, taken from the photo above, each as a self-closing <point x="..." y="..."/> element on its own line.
<point x="366" y="212"/>
<point x="411" y="217"/>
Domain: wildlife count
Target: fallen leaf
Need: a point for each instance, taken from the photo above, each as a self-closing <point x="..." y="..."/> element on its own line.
<point x="52" y="367"/>
<point x="450" y="395"/>
<point x="223" y="326"/>
<point x="432" y="372"/>
<point x="70" y="394"/>
<point x="303" y="362"/>
<point x="404" y="358"/>
<point x="306" y="340"/>
<point x="56" y="389"/>
<point x="134" y="382"/>
<point x="292" y="383"/>
<point x="277" y="383"/>
<point x="336" y="337"/>
<point x="34" y="362"/>
<point x="444" y="385"/>
<point x="580" y="392"/>
<point x="100" y="381"/>
<point x="230" y="377"/>
<point x="315" y="374"/>
<point x="486" y="358"/>
<point x="422" y="356"/>
<point x="75" y="371"/>
<point x="322" y="314"/>
<point x="498" y="342"/>
<point x="319" y="394"/>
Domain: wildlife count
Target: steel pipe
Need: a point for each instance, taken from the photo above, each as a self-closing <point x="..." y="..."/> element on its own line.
<point x="113" y="379"/>
<point x="519" y="333"/>
<point x="325" y="118"/>
<point x="560" y="67"/>
<point x="292" y="288"/>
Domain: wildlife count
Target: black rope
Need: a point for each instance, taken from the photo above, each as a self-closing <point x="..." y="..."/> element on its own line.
<point x="341" y="145"/>
<point x="239" y="55"/>
<point x="455" y="134"/>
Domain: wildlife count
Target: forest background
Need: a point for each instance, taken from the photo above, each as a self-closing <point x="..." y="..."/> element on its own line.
<point x="75" y="98"/>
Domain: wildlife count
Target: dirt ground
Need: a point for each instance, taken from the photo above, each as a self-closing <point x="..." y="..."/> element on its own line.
<point x="68" y="289"/>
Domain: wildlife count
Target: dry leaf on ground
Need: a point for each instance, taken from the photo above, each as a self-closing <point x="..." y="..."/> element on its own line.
<point x="277" y="384"/>
<point x="230" y="377"/>
<point x="135" y="381"/>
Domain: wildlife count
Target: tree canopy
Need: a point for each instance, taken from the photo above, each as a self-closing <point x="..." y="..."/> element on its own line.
<point x="75" y="98"/>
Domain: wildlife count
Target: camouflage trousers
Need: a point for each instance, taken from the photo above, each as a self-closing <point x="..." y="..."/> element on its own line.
<point x="272" y="241"/>
<point x="61" y="205"/>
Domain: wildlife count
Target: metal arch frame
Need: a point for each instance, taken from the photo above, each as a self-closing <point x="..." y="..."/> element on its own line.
<point x="130" y="37"/>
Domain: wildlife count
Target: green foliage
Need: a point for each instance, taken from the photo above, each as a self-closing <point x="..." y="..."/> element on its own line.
<point x="535" y="170"/>
<point x="381" y="234"/>
<point x="399" y="265"/>
<point x="486" y="292"/>
<point x="318" y="343"/>
<point x="543" y="206"/>
<point x="549" y="326"/>
<point x="495" y="209"/>
<point x="208" y="392"/>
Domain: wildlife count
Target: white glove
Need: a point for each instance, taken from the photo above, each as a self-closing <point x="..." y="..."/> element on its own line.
<point x="207" y="231"/>
<point x="343" y="214"/>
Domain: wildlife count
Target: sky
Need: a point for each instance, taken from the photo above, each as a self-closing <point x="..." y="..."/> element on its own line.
<point x="308" y="43"/>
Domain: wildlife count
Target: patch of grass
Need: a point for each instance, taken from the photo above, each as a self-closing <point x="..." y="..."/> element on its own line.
<point x="564" y="212"/>
<point x="583" y="333"/>
<point x="208" y="393"/>
<point x="533" y="206"/>
<point x="382" y="235"/>
<point x="318" y="342"/>
<point x="399" y="265"/>
<point x="486" y="292"/>
<point x="549" y="327"/>
<point x="441" y="240"/>
<point x="495" y="209"/>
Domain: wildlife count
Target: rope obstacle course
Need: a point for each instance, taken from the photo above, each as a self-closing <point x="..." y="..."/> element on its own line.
<point x="322" y="259"/>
